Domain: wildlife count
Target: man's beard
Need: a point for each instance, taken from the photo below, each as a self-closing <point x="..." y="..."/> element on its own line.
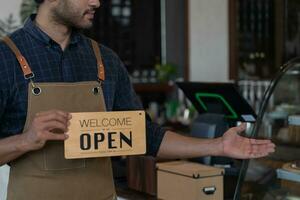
<point x="66" y="15"/>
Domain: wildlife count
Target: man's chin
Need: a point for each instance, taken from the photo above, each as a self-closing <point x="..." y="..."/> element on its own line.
<point x="85" y="26"/>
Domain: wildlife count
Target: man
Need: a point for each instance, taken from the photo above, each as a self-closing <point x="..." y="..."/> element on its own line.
<point x="48" y="70"/>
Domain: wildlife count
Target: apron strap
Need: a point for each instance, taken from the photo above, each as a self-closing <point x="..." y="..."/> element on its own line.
<point x="96" y="49"/>
<point x="28" y="74"/>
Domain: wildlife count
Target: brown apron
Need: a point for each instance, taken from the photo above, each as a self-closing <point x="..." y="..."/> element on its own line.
<point x="45" y="174"/>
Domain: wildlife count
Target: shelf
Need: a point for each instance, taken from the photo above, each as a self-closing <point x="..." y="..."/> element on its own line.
<point x="153" y="87"/>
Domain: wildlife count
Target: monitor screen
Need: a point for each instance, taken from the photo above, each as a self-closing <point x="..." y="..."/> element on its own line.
<point x="219" y="98"/>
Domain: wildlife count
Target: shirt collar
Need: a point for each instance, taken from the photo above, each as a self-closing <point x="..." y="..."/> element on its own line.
<point x="37" y="33"/>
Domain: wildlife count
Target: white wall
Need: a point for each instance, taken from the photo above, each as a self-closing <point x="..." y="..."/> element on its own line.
<point x="209" y="43"/>
<point x="10" y="7"/>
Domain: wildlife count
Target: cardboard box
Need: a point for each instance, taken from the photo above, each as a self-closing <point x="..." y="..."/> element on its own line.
<point x="180" y="180"/>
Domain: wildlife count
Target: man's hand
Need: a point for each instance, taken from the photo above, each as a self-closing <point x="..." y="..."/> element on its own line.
<point x="239" y="147"/>
<point x="41" y="129"/>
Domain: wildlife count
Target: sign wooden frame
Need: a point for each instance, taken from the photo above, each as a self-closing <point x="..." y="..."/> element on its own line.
<point x="105" y="134"/>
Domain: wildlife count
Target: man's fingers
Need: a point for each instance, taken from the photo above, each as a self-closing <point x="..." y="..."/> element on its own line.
<point x="54" y="136"/>
<point x="272" y="145"/>
<point x="48" y="126"/>
<point x="260" y="150"/>
<point x="239" y="129"/>
<point x="54" y="114"/>
<point x="51" y="111"/>
<point x="260" y="141"/>
<point x="52" y="119"/>
<point x="258" y="155"/>
<point x="263" y="145"/>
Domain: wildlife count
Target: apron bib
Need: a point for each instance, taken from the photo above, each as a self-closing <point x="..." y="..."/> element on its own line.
<point x="45" y="174"/>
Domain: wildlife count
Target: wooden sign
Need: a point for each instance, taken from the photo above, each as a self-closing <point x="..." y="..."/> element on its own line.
<point x="101" y="134"/>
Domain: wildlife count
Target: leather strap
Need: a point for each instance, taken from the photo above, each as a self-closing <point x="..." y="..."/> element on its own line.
<point x="23" y="62"/>
<point x="96" y="49"/>
<point x="26" y="68"/>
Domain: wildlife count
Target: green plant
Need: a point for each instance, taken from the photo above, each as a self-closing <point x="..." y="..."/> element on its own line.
<point x="8" y="25"/>
<point x="165" y="72"/>
<point x="27" y="7"/>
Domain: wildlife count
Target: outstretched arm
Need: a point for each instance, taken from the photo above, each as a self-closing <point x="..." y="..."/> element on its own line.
<point x="231" y="144"/>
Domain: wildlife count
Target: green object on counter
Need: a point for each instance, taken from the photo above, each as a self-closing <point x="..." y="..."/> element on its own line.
<point x="171" y="109"/>
<point x="200" y="95"/>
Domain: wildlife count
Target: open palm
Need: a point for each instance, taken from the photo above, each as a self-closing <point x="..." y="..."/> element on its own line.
<point x="239" y="147"/>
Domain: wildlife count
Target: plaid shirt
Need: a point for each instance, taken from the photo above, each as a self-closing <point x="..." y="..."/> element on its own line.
<point x="51" y="64"/>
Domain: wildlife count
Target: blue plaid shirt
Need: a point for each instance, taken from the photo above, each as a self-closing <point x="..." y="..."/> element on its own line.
<point x="50" y="64"/>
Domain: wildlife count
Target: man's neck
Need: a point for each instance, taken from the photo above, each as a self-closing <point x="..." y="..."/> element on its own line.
<point x="58" y="32"/>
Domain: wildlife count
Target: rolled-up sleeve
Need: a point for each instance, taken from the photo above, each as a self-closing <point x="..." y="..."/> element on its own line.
<point x="126" y="99"/>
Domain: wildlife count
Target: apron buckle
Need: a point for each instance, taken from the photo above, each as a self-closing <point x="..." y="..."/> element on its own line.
<point x="100" y="81"/>
<point x="96" y="90"/>
<point x="35" y="89"/>
<point x="29" y="76"/>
